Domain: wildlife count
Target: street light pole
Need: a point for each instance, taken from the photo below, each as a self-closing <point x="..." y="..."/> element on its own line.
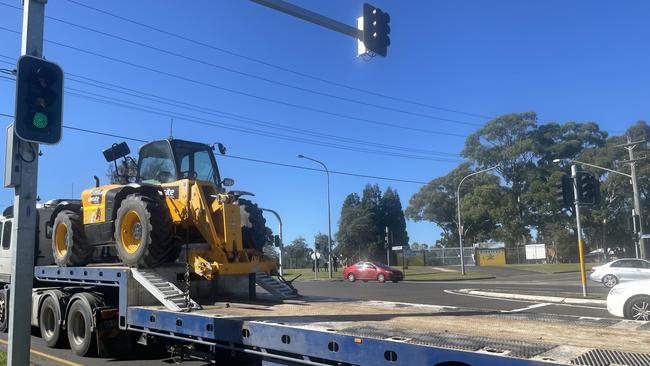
<point x="329" y="213"/>
<point x="583" y="278"/>
<point x="460" y="226"/>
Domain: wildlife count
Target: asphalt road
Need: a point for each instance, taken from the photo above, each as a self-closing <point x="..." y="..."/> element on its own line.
<point x="436" y="293"/>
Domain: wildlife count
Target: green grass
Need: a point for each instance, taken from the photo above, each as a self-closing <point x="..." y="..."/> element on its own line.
<point x="552" y="268"/>
<point x="413" y="273"/>
<point x="3" y="358"/>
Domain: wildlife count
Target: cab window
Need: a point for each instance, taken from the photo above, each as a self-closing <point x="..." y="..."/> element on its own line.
<point x="6" y="235"/>
<point x="157" y="163"/>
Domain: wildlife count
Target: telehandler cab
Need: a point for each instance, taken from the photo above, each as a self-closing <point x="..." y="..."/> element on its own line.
<point x="176" y="199"/>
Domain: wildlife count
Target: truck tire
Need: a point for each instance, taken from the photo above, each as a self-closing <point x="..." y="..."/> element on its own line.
<point x="79" y="327"/>
<point x="253" y="225"/>
<point x="143" y="232"/>
<point x="69" y="244"/>
<point x="4" y="310"/>
<point x="49" y="322"/>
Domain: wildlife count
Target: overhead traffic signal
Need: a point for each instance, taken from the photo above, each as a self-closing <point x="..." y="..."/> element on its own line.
<point x="564" y="192"/>
<point x="376" y="29"/>
<point x="39" y="100"/>
<point x="588" y="189"/>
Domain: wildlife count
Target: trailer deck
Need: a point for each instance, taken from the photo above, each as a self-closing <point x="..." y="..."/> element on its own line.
<point x="319" y="331"/>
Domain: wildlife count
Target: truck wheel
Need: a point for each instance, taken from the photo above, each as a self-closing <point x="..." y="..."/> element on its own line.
<point x="4" y="310"/>
<point x="69" y="244"/>
<point x="80" y="334"/>
<point x="253" y="225"/>
<point x="143" y="232"/>
<point x="49" y="321"/>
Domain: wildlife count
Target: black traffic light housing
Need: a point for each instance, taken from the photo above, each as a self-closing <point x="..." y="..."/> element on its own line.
<point x="588" y="189"/>
<point x="376" y="30"/>
<point x="564" y="192"/>
<point x="39" y="100"/>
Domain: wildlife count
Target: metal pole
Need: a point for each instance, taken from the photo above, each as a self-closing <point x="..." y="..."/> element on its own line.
<point x="24" y="209"/>
<point x="387" y="248"/>
<point x="311" y="17"/>
<point x="329" y="213"/>
<point x="460" y="226"/>
<point x="277" y="216"/>
<point x="637" y="202"/>
<point x="583" y="277"/>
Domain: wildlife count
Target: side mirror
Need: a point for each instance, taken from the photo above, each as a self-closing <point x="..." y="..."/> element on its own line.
<point x="227" y="182"/>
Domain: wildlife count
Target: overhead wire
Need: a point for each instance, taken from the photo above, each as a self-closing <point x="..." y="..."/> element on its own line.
<point x="286" y="128"/>
<point x="275" y="66"/>
<point x="106" y="134"/>
<point x="214" y="86"/>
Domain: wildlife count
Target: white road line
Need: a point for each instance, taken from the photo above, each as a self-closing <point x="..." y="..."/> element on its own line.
<point x="534" y="306"/>
<point x="527" y="301"/>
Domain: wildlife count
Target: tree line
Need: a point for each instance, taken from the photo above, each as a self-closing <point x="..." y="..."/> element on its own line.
<point x="515" y="203"/>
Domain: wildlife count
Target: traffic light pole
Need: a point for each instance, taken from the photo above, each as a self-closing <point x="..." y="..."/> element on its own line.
<point x="583" y="276"/>
<point x="24" y="162"/>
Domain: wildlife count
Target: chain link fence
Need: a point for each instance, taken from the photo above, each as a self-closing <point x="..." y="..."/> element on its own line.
<point x="437" y="257"/>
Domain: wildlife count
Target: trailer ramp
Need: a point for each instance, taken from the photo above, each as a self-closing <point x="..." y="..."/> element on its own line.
<point x="276" y="288"/>
<point x="164" y="291"/>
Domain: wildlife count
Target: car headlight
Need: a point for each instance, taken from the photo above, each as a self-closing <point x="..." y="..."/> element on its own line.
<point x="616" y="291"/>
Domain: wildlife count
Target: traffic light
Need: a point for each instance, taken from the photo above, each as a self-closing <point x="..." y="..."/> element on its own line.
<point x="564" y="192"/>
<point x="588" y="189"/>
<point x="376" y="29"/>
<point x="39" y="100"/>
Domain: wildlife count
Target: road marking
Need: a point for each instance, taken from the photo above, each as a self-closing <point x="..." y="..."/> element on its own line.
<point x="534" y="306"/>
<point x="51" y="357"/>
<point x="452" y="292"/>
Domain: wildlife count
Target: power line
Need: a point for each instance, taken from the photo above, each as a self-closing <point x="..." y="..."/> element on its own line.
<point x="244" y="158"/>
<point x="113" y="101"/>
<point x="275" y="66"/>
<point x="253" y="76"/>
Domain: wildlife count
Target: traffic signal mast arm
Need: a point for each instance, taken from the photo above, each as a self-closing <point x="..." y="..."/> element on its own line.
<point x="374" y="34"/>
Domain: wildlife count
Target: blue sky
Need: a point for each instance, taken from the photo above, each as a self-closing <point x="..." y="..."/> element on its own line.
<point x="568" y="61"/>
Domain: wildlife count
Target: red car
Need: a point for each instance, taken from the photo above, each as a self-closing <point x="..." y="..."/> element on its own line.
<point x="370" y="271"/>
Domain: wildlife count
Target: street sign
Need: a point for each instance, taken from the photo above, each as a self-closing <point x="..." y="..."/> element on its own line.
<point x="645" y="236"/>
<point x="315" y="256"/>
<point x="397" y="248"/>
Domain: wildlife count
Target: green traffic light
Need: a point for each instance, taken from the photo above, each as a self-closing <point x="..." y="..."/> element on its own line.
<point x="39" y="120"/>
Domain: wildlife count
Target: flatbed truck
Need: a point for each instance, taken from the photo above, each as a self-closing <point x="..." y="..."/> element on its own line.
<point x="107" y="307"/>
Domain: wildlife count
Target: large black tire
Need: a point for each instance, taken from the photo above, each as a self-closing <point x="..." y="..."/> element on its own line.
<point x="80" y="333"/>
<point x="49" y="321"/>
<point x="143" y="232"/>
<point x="253" y="225"/>
<point x="4" y="310"/>
<point x="69" y="244"/>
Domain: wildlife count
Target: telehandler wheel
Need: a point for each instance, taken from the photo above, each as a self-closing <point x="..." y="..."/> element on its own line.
<point x="143" y="232"/>
<point x="253" y="225"/>
<point x="69" y="244"/>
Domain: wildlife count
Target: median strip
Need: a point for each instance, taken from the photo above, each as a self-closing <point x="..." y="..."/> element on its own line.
<point x="536" y="298"/>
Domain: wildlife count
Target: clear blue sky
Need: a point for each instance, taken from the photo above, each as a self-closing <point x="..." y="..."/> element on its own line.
<point x="568" y="61"/>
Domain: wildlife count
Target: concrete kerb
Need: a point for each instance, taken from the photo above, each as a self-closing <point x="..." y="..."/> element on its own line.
<point x="549" y="299"/>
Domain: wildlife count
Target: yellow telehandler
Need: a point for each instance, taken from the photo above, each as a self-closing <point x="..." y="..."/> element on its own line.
<point x="176" y="198"/>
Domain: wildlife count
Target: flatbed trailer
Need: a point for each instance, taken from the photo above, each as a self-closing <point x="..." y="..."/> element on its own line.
<point x="320" y="331"/>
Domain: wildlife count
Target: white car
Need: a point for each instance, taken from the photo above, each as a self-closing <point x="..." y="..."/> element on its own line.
<point x="630" y="300"/>
<point x="621" y="270"/>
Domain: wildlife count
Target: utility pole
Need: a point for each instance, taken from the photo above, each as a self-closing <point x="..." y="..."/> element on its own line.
<point x="583" y="277"/>
<point x="630" y="146"/>
<point x="22" y="175"/>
